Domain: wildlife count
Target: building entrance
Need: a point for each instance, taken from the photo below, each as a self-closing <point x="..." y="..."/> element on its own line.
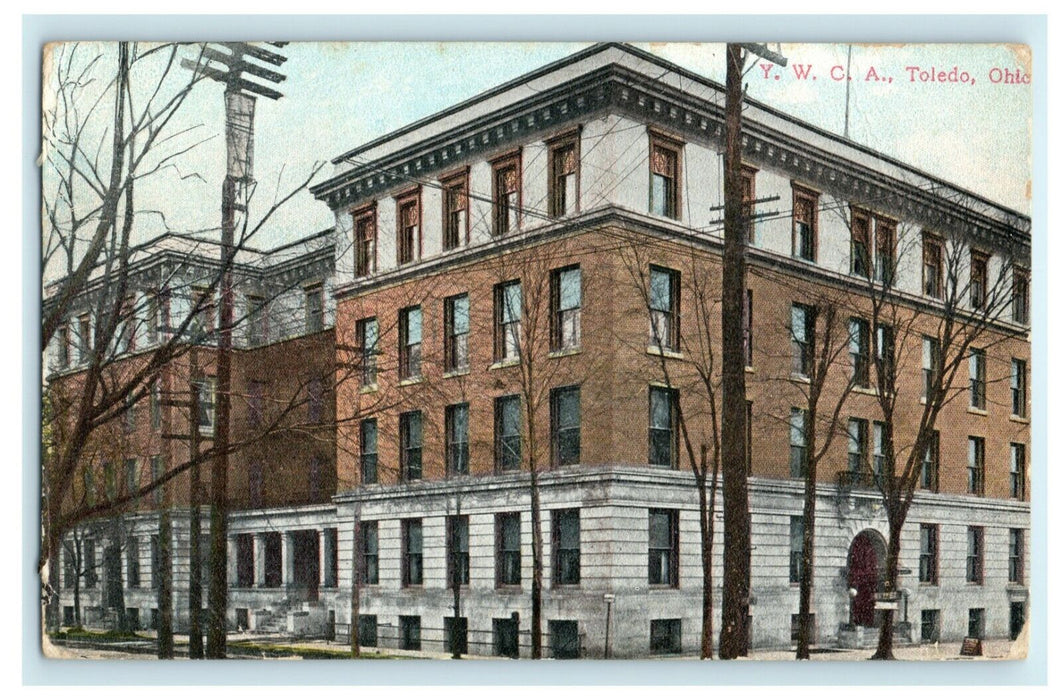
<point x="866" y="559"/>
<point x="307" y="562"/>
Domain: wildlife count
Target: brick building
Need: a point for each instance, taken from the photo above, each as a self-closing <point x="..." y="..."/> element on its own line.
<point x="522" y="286"/>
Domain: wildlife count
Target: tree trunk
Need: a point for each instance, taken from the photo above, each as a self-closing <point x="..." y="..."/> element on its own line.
<point x="892" y="570"/>
<point x="536" y="565"/>
<point x="455" y="583"/>
<point x="165" y="587"/>
<point x="707" y="534"/>
<point x="807" y="572"/>
<point x="355" y="586"/>
<point x="51" y="613"/>
<point x="733" y="639"/>
<point x="78" y="563"/>
<point x="195" y="557"/>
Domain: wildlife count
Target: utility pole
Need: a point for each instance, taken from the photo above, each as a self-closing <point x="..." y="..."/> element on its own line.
<point x="239" y="146"/>
<point x="195" y="556"/>
<point x="737" y="540"/>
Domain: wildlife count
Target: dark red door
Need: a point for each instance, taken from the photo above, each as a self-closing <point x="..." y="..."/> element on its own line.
<point x="863" y="577"/>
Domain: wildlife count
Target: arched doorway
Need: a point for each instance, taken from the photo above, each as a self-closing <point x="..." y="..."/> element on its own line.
<point x="866" y="559"/>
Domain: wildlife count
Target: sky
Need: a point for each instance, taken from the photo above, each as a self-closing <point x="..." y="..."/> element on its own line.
<point x="975" y="132"/>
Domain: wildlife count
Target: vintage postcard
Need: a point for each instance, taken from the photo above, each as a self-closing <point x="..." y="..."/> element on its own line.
<point x="536" y="350"/>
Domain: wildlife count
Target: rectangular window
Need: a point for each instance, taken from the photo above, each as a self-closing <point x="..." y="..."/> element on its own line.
<point x="408" y="228"/>
<point x="456" y="322"/>
<point x="507" y="433"/>
<point x="928" y="563"/>
<point x="1019" y="296"/>
<point x="930" y="626"/>
<point x="884" y="262"/>
<point x="507" y="539"/>
<point x="566" y="301"/>
<point x="368" y="331"/>
<point x="244" y="560"/>
<point x="370" y="553"/>
<point x="274" y="559"/>
<point x="506" y="636"/>
<point x="156" y="474"/>
<point x="256" y="320"/>
<point x="411" y="437"/>
<point x="206" y="390"/>
<point x="798" y="453"/>
<point x="1016" y="556"/>
<point x="314" y="308"/>
<point x="977" y="379"/>
<point x="412" y="553"/>
<point x="976" y="626"/>
<point x="664" y="286"/>
<point x="62" y="358"/>
<point x="805" y="223"/>
<point x="975" y="466"/>
<point x="746" y="328"/>
<point x="455" y="211"/>
<point x="368" y="451"/>
<point x="1017" y="388"/>
<point x="564" y="177"/>
<point x="132" y="476"/>
<point x="932" y="270"/>
<point x="663" y="177"/>
<point x="796" y="548"/>
<point x="930" y="366"/>
<point x="801" y="337"/>
<point x="859" y="350"/>
<point x="110" y="481"/>
<point x="665" y="636"/>
<point x="857" y="448"/>
<point x="367" y="628"/>
<point x="885" y="356"/>
<point x="860" y="255"/>
<point x="507" y="195"/>
<point x="565" y="425"/>
<point x="132" y="562"/>
<point x="881" y="448"/>
<point x="975" y="552"/>
<point x="84" y="338"/>
<point x="365" y="242"/>
<point x="457" y="439"/>
<point x="455" y="635"/>
<point x="663" y="416"/>
<point x="202" y="324"/>
<point x="748" y="202"/>
<point x="409" y="336"/>
<point x="663" y="547"/>
<point x="457" y="550"/>
<point x="508" y="310"/>
<point x="978" y="279"/>
<point x="566" y="541"/>
<point x="409" y="630"/>
<point x="129" y="416"/>
<point x="1017" y="470"/>
<point x="564" y="639"/>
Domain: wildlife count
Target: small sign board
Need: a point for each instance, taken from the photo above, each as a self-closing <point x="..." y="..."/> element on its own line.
<point x="886" y="605"/>
<point x="887" y="596"/>
<point x="971" y="646"/>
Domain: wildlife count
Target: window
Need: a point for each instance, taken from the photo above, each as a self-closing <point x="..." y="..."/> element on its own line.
<point x="884" y="262"/>
<point x="370" y="553"/>
<point x="256" y="320"/>
<point x="507" y="194"/>
<point x="455" y="318"/>
<point x="409" y="629"/>
<point x="566" y="301"/>
<point x="506" y="636"/>
<point x="155" y="406"/>
<point x="801" y="337"/>
<point x="202" y="325"/>
<point x="564" y="425"/>
<point x="859" y="350"/>
<point x="84" y="338"/>
<point x="315" y="400"/>
<point x="129" y="416"/>
<point x="976" y="625"/>
<point x="1019" y="296"/>
<point x="507" y="433"/>
<point x="110" y="481"/>
<point x="457" y="550"/>
<point x="162" y="313"/>
<point x="244" y="560"/>
<point x="367" y="630"/>
<point x="455" y="211"/>
<point x="663" y="547"/>
<point x="975" y="466"/>
<point x="457" y="439"/>
<point x="455" y="635"/>
<point x="368" y="451"/>
<point x="746" y="327"/>
<point x="412" y="553"/>
<point x="409" y="334"/>
<point x="274" y="559"/>
<point x="508" y="309"/>
<point x="62" y="358"/>
<point x="256" y="484"/>
<point x="928" y="565"/>
<point x="665" y="636"/>
<point x="564" y="176"/>
<point x="975" y="548"/>
<point x="930" y="366"/>
<point x="978" y="279"/>
<point x="132" y="562"/>
<point x="663" y="416"/>
<point x="411" y="436"/>
<point x="805" y="223"/>
<point x="156" y="474"/>
<point x="796" y="548"/>
<point x="663" y="177"/>
<point x="664" y="288"/>
<point x="932" y="270"/>
<point x="507" y="539"/>
<point x="566" y="536"/>
<point x="881" y="448"/>
<point x="1017" y="470"/>
<point x="132" y="477"/>
<point x="885" y="356"/>
<point x="930" y="626"/>
<point x="798" y="453"/>
<point x="368" y="331"/>
<point x="408" y="227"/>
<point x="1017" y="388"/>
<point x="1016" y="556"/>
<point x="930" y="462"/>
<point x="977" y="378"/>
<point x="857" y="448"/>
<point x="564" y="639"/>
<point x="365" y="242"/>
<point x="860" y="256"/>
<point x="748" y="202"/>
<point x="206" y="389"/>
